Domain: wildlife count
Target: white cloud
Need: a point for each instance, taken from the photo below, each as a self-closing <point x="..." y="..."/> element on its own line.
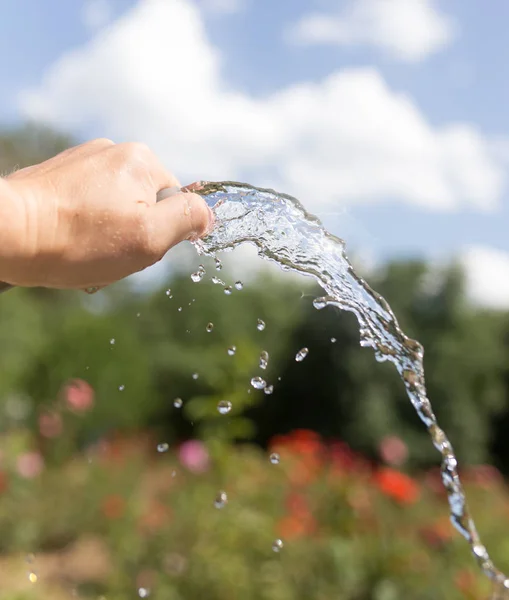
<point x="408" y="30"/>
<point x="95" y="14"/>
<point x="153" y="76"/>
<point x="487" y="276"/>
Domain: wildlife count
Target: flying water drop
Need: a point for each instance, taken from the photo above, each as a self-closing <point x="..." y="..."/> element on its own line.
<point x="224" y="407"/>
<point x="219" y="264"/>
<point x="333" y="340"/>
<point x="274" y="458"/>
<point x="210" y="327"/>
<point x="260" y="325"/>
<point x="221" y="500"/>
<point x="269" y="389"/>
<point x="228" y="290"/>
<point x="164" y="447"/>
<point x="320" y="303"/>
<point x="177" y="403"/>
<point x="199" y="274"/>
<point x="264" y="360"/>
<point x="239" y="285"/>
<point x="121" y="388"/>
<point x="258" y="383"/>
<point x="168" y="293"/>
<point x="143" y="592"/>
<point x="195" y="376"/>
<point x="301" y="354"/>
<point x="217" y="281"/>
<point x="112" y="341"/>
<point x="277" y="545"/>
<point x="231" y="350"/>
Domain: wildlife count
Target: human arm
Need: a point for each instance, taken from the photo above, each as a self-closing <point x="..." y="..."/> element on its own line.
<point x="89" y="217"/>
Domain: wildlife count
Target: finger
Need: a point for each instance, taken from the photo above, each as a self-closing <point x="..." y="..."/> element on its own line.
<point x="180" y="217"/>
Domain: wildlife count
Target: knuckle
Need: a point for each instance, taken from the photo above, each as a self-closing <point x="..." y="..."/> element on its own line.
<point x="101" y="142"/>
<point x="136" y="151"/>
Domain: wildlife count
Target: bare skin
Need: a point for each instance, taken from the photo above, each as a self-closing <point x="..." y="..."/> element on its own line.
<point x="88" y="217"/>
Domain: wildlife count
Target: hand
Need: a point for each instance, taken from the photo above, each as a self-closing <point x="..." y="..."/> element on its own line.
<point x="89" y="217"/>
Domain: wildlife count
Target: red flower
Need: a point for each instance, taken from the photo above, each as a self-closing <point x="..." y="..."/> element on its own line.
<point x="79" y="395"/>
<point x="397" y="486"/>
<point x="297" y="505"/>
<point x="156" y="516"/>
<point x="50" y="424"/>
<point x="113" y="506"/>
<point x="393" y="450"/>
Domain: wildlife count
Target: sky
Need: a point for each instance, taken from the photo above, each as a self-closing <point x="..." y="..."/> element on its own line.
<point x="388" y="119"/>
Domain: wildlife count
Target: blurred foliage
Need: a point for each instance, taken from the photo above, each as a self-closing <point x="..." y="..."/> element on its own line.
<point x="120" y="521"/>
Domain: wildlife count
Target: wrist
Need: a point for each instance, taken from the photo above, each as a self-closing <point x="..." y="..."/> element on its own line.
<point x="13" y="251"/>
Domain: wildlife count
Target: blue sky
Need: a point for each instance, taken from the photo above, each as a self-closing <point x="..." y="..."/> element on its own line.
<point x="93" y="68"/>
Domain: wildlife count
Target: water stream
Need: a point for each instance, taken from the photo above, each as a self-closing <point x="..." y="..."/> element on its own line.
<point x="283" y="232"/>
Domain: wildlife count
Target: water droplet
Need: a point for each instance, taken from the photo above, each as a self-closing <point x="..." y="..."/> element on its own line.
<point x="277" y="545"/>
<point x="260" y="325"/>
<point x="173" y="473"/>
<point x="195" y="375"/>
<point x="219" y="264"/>
<point x="333" y="340"/>
<point x="32" y="577"/>
<point x="198" y="275"/>
<point x="168" y="293"/>
<point x="224" y="406"/>
<point x="210" y="327"/>
<point x="112" y="341"/>
<point x="121" y="388"/>
<point x="217" y="281"/>
<point x="258" y="383"/>
<point x="179" y="309"/>
<point x="239" y="285"/>
<point x="264" y="360"/>
<point x="143" y="592"/>
<point x="138" y="314"/>
<point x="164" y="447"/>
<point x="228" y="290"/>
<point x="177" y="403"/>
<point x="221" y="500"/>
<point x="269" y="389"/>
<point x="320" y="303"/>
<point x="301" y="354"/>
<point x="274" y="458"/>
<point x="231" y="350"/>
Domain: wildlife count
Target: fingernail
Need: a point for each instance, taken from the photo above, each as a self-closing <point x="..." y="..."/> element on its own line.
<point x="167" y="192"/>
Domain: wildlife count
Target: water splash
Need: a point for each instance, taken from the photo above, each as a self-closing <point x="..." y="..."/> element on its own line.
<point x="301" y="354"/>
<point x="258" y="383"/>
<point x="224" y="407"/>
<point x="264" y="359"/>
<point x="283" y="232"/>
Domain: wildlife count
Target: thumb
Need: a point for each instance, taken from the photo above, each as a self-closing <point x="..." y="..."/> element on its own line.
<point x="179" y="217"/>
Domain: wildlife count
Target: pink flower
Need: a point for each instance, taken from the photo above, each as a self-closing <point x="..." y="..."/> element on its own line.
<point x="393" y="451"/>
<point x="50" y="425"/>
<point x="194" y="456"/>
<point x="79" y="395"/>
<point x="30" y="465"/>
